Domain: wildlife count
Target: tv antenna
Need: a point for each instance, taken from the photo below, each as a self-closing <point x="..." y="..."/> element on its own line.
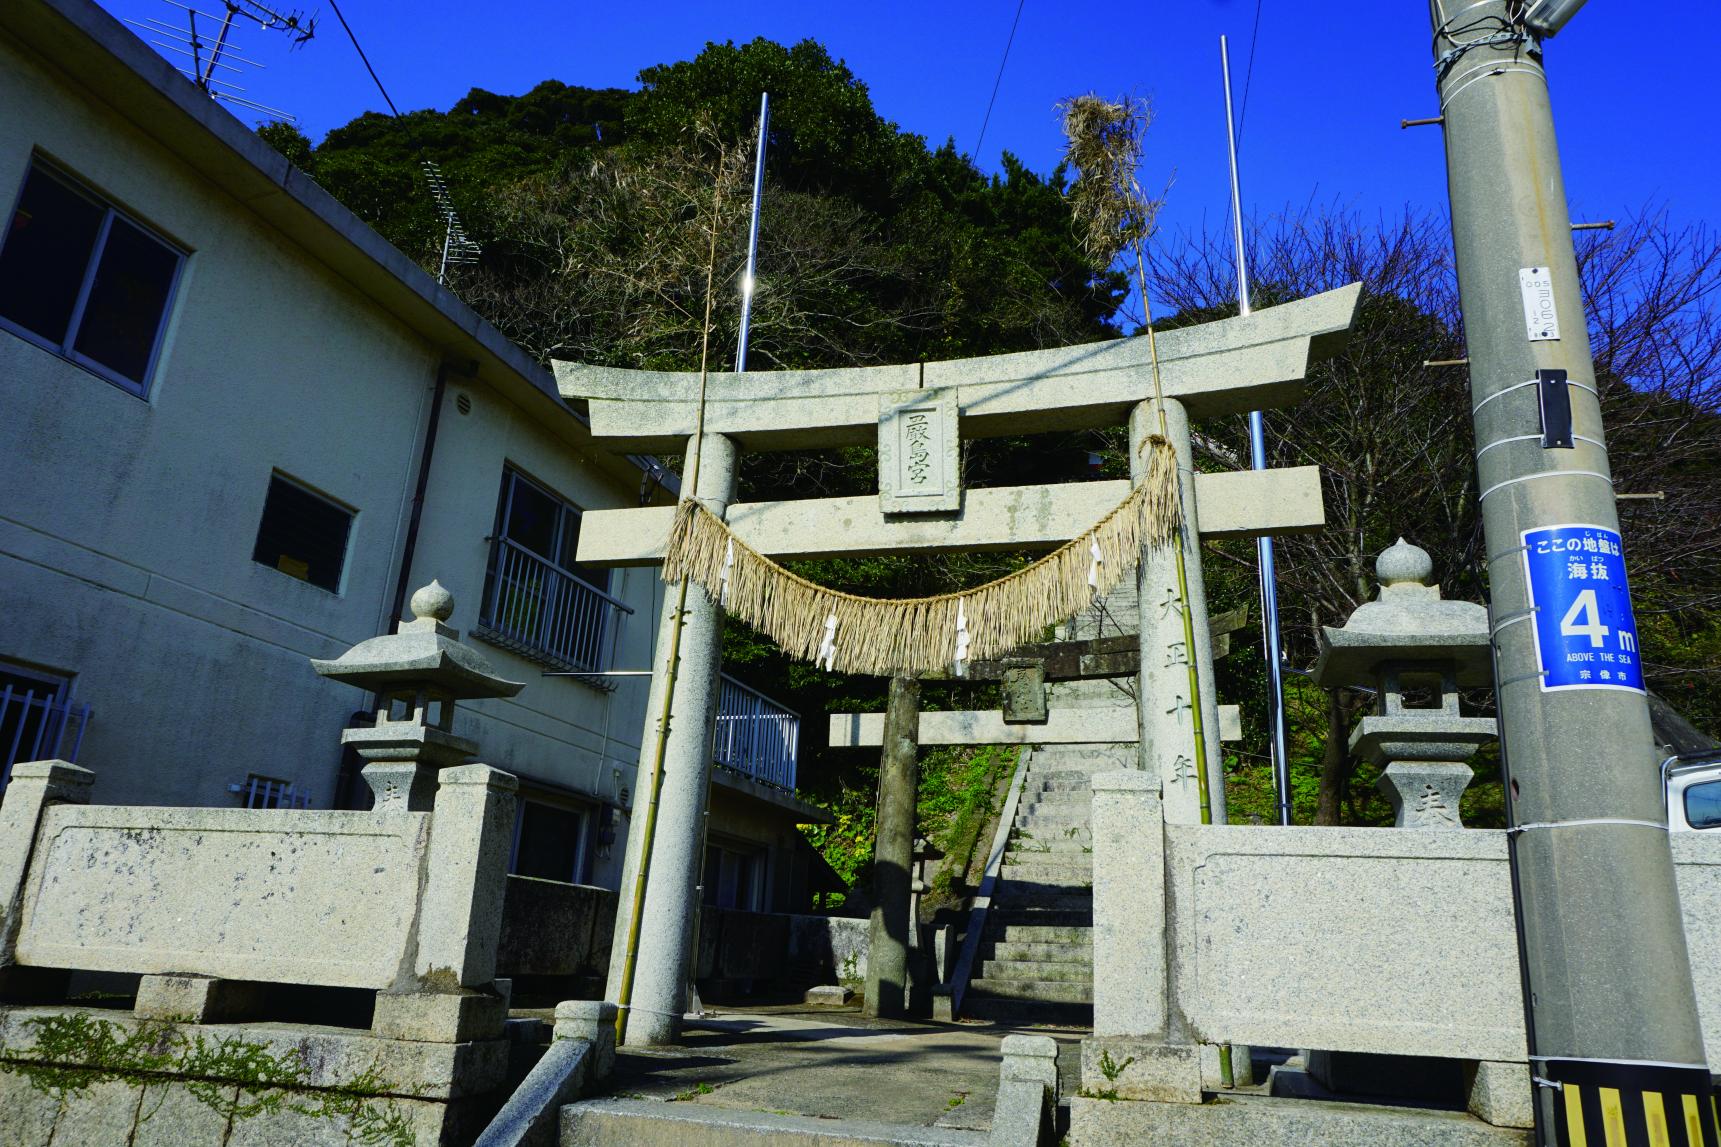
<point x="208" y="57"/>
<point x="458" y="248"/>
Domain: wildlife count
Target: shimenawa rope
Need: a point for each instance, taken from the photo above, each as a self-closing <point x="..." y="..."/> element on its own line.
<point x="883" y="636"/>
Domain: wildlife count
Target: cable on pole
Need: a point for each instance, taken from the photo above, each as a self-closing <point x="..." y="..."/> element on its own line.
<point x="1248" y="75"/>
<point x="366" y="59"/>
<point x="995" y="83"/>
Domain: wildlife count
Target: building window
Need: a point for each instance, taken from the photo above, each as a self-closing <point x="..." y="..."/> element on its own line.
<point x="86" y="281"/>
<point x="537" y="600"/>
<point x="552" y="842"/>
<point x="257" y="791"/>
<point x="39" y="719"/>
<point x="303" y="534"/>
<point x="733" y="879"/>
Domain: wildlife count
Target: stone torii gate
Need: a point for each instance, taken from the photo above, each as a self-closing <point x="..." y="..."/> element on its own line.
<point x="1226" y="367"/>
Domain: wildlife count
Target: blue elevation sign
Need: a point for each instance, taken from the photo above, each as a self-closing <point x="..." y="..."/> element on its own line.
<point x="1586" y="637"/>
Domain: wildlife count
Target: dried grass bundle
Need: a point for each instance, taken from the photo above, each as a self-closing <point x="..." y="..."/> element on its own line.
<point x="927" y="634"/>
<point x="1105" y="139"/>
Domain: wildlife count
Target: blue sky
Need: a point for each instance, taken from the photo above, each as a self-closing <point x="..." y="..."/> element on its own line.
<point x="1329" y="84"/>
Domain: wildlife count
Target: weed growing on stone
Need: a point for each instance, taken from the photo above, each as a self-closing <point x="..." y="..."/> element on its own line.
<point x="956" y="1101"/>
<point x="694" y="1092"/>
<point x="1111" y="1069"/>
<point x="849" y="974"/>
<point x="74" y="1051"/>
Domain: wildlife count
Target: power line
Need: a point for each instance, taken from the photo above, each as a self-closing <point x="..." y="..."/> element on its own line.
<point x="1248" y="74"/>
<point x="995" y="83"/>
<point x="366" y="59"/>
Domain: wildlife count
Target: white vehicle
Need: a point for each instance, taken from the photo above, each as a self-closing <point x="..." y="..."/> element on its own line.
<point x="1692" y="785"/>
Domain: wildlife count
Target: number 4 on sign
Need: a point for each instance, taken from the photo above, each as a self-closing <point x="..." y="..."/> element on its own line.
<point x="1583" y="619"/>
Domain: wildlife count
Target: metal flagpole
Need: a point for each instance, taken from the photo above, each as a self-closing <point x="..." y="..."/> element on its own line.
<point x="753" y="232"/>
<point x="1258" y="461"/>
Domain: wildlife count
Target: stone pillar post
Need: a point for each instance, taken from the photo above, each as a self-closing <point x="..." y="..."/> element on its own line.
<point x="1027" y="1092"/>
<point x="34" y="786"/>
<point x="471" y="833"/>
<point x="1138" y="1050"/>
<point x="1130" y="943"/>
<point x="1167" y="743"/>
<point x="451" y="995"/>
<point x="893" y="853"/>
<point x="670" y="892"/>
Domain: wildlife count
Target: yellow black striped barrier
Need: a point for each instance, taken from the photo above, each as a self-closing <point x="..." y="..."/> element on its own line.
<point x="1605" y="1104"/>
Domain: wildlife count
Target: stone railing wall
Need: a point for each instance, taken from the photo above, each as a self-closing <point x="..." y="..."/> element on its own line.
<point x="1385" y="941"/>
<point x="397" y="901"/>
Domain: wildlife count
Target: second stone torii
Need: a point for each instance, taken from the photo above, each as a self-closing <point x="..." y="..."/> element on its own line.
<point x="1224" y="367"/>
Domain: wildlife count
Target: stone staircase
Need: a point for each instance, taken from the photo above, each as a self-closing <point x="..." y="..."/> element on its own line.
<point x="1037" y="948"/>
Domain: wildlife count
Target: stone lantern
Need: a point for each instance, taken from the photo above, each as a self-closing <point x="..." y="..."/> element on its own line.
<point x="1407" y="641"/>
<point x="417" y="672"/>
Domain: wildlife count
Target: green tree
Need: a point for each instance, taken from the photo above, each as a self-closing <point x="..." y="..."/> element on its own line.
<point x="1392" y="437"/>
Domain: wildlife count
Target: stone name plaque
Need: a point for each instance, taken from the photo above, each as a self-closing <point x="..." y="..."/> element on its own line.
<point x="1024" y="693"/>
<point x="918" y="457"/>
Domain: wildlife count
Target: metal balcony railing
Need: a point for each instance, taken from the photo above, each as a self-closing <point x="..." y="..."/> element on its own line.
<point x="756" y="736"/>
<point x="269" y="792"/>
<point x="547" y="614"/>
<point x="37" y="725"/>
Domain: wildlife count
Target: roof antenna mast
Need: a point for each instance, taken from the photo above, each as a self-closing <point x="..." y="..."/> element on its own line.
<point x="458" y="248"/>
<point x="206" y="57"/>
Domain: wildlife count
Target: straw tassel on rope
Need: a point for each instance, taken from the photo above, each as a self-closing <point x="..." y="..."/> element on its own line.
<point x="884" y="637"/>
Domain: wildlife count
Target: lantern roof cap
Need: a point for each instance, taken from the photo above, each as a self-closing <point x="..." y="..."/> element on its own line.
<point x="423" y="652"/>
<point x="1407" y="621"/>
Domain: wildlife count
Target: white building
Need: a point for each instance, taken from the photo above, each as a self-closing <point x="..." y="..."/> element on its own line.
<point x="236" y="428"/>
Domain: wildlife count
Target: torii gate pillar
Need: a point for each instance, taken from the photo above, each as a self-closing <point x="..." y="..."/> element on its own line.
<point x="1162" y="692"/>
<point x="671" y="895"/>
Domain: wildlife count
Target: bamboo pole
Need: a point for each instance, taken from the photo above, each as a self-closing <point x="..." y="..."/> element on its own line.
<point x="630" y="956"/>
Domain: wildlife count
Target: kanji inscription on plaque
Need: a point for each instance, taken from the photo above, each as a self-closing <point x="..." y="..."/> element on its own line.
<point x="918" y="469"/>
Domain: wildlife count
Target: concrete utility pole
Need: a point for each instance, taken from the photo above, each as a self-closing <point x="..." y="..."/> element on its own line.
<point x="1608" y="984"/>
<point x="893" y="853"/>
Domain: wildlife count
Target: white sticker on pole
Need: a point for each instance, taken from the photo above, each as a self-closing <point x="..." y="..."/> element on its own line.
<point x="1586" y="636"/>
<point x="1540" y="318"/>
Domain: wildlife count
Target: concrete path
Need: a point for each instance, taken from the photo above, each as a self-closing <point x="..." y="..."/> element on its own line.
<point x="832" y="1064"/>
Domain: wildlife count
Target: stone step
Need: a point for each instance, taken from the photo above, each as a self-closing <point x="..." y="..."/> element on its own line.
<point x="1008" y="917"/>
<point x="1090" y="757"/>
<point x="1070" y="874"/>
<point x="1063" y="793"/>
<point x="1054" y="953"/>
<point x="1061" y="780"/>
<point x="1043" y="830"/>
<point x="1040" y="991"/>
<point x="1036" y="971"/>
<point x="1049" y="934"/>
<point x="1060" y="800"/>
<point x="1080" y="841"/>
<point x="1069" y="862"/>
<point x="653" y="1123"/>
<point x="1041" y="896"/>
<point x="1243" y="1118"/>
<point x="1053" y="818"/>
<point x="1022" y="1012"/>
<point x="1056" y="853"/>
